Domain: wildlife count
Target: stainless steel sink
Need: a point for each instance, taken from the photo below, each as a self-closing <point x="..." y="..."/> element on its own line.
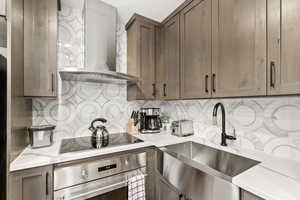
<point x="200" y="172"/>
<point x="211" y="160"/>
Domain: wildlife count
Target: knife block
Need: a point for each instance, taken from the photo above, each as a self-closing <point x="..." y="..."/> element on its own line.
<point x="131" y="128"/>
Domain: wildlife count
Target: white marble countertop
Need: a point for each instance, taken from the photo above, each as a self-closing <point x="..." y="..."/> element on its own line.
<point x="273" y="179"/>
<point x="31" y="158"/>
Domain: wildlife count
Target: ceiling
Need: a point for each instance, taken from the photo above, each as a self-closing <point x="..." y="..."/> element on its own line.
<point x="154" y="9"/>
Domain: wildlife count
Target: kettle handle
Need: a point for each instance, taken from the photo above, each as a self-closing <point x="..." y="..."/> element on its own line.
<point x="98" y="120"/>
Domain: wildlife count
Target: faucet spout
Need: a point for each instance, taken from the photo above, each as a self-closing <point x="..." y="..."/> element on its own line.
<point x="224" y="136"/>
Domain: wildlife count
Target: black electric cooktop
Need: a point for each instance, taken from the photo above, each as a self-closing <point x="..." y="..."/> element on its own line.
<point x="87" y="143"/>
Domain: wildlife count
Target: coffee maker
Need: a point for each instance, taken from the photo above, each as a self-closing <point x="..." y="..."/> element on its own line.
<point x="150" y="121"/>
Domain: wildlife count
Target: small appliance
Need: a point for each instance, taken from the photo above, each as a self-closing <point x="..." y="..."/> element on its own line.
<point x="182" y="128"/>
<point x="150" y="121"/>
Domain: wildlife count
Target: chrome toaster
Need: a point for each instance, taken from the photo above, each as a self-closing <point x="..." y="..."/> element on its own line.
<point x="182" y="128"/>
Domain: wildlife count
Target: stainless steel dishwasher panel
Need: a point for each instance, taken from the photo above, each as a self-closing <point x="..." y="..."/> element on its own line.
<point x="193" y="183"/>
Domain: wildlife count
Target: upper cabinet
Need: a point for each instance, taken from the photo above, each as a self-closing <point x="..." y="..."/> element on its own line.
<point x="170" y="88"/>
<point x="141" y="57"/>
<point x="2" y="7"/>
<point x="218" y="48"/>
<point x="40" y="50"/>
<point x="239" y="48"/>
<point x="284" y="50"/>
<point x="195" y="21"/>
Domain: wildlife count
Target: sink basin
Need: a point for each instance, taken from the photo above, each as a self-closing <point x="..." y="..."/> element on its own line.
<point x="212" y="161"/>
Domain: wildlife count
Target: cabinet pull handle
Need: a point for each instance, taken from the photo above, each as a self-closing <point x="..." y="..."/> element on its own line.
<point x="206" y="83"/>
<point x="153" y="89"/>
<point x="273" y="74"/>
<point x="47" y="183"/>
<point x="181" y="197"/>
<point x="59" y="5"/>
<point x="214" y="82"/>
<point x="52" y="82"/>
<point x="164" y="90"/>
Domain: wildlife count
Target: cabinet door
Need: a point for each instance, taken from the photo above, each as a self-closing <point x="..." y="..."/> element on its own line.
<point x="141" y="58"/>
<point x="147" y="60"/>
<point x="284" y="49"/>
<point x="195" y="23"/>
<point x="239" y="48"/>
<point x="159" y="60"/>
<point x="171" y="86"/>
<point x="248" y="196"/>
<point x="132" y="62"/>
<point x="33" y="184"/>
<point x="164" y="191"/>
<point x="40" y="38"/>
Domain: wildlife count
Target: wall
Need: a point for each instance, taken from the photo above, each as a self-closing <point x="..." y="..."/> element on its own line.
<point x="270" y="125"/>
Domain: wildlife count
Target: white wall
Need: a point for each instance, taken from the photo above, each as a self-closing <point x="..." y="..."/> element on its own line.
<point x="154" y="9"/>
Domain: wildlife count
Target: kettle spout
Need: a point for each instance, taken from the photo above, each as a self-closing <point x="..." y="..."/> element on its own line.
<point x="92" y="129"/>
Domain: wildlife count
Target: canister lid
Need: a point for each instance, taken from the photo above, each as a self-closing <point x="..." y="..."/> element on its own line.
<point x="42" y="128"/>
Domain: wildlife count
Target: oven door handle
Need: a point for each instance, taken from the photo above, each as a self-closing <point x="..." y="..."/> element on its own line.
<point x="99" y="191"/>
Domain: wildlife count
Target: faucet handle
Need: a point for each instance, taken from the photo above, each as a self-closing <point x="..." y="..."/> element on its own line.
<point x="234" y="133"/>
<point x="215" y="121"/>
<point x="231" y="137"/>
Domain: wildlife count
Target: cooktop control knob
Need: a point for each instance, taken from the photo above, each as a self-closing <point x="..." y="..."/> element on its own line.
<point x="126" y="162"/>
<point x="84" y="173"/>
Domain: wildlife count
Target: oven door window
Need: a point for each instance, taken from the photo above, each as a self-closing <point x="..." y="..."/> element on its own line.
<point x="118" y="194"/>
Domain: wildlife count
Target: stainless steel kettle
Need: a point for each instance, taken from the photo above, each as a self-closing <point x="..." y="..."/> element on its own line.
<point x="100" y="135"/>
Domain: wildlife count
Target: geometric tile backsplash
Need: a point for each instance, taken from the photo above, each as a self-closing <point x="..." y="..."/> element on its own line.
<point x="271" y="125"/>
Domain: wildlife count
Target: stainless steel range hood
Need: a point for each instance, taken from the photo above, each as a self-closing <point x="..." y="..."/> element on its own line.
<point x="100" y="30"/>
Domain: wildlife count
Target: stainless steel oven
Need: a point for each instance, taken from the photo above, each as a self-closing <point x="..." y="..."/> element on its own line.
<point x="97" y="179"/>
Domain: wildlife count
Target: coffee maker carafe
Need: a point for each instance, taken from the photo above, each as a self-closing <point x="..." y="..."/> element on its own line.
<point x="150" y="120"/>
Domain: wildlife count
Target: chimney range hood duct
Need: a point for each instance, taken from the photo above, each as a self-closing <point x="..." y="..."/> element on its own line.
<point x="100" y="25"/>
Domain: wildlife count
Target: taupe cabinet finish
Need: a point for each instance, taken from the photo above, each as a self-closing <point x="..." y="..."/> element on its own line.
<point x="284" y="49"/>
<point x="32" y="184"/>
<point x="171" y="50"/>
<point x="228" y="48"/>
<point x="160" y="79"/>
<point x="141" y="57"/>
<point x="239" y="48"/>
<point x="248" y="196"/>
<point x="195" y="21"/>
<point x="40" y="51"/>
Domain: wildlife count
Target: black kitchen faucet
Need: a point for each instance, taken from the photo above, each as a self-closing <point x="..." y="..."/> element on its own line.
<point x="224" y="136"/>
